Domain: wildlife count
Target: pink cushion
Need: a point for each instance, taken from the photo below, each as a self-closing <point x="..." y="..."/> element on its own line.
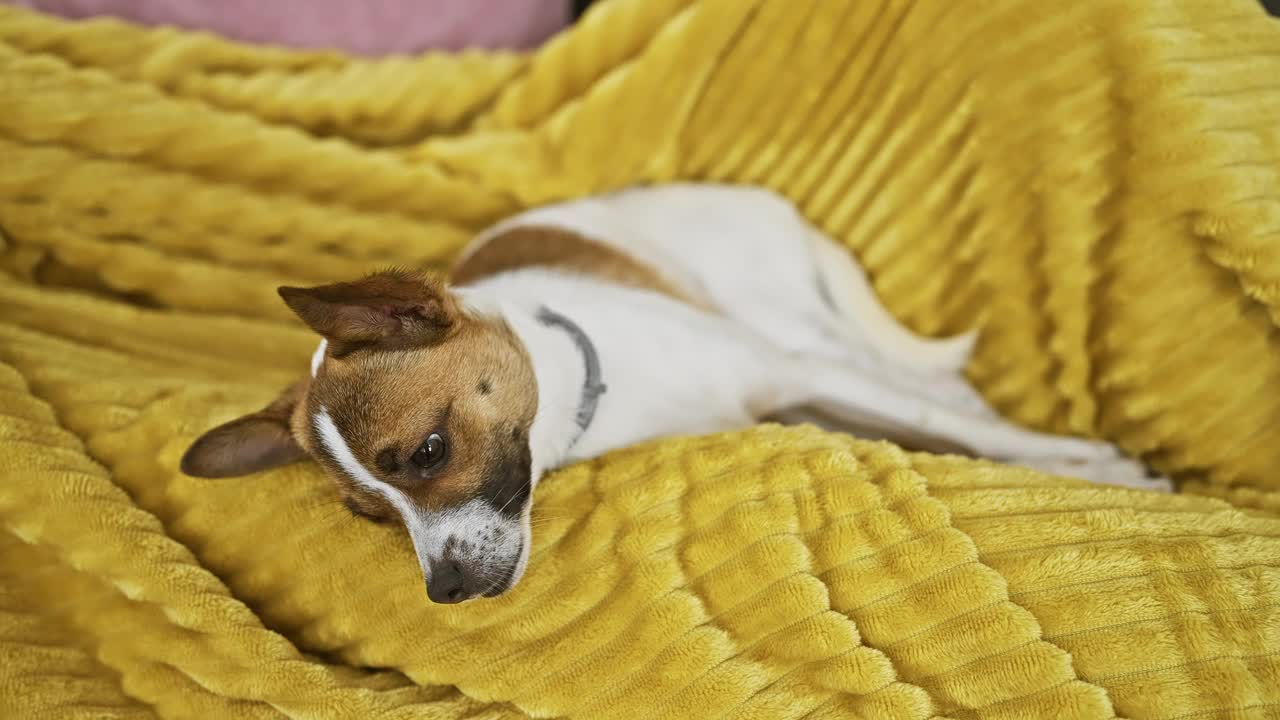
<point x="365" y="27"/>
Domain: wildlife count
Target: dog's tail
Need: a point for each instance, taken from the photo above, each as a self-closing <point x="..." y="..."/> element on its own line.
<point x="859" y="315"/>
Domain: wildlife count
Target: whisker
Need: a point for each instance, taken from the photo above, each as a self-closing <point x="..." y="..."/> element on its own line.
<point x="497" y="578"/>
<point x="543" y="525"/>
<point x="541" y="521"/>
<point x="514" y="495"/>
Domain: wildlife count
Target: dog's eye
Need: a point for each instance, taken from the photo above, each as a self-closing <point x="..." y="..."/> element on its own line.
<point x="431" y="453"/>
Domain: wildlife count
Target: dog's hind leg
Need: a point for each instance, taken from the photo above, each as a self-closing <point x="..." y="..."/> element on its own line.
<point x="920" y="418"/>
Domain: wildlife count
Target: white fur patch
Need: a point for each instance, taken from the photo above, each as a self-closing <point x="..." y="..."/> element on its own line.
<point x="317" y="358"/>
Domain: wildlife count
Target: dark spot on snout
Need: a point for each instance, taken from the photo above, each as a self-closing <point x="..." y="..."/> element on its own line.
<point x="484" y="388"/>
<point x="508" y="481"/>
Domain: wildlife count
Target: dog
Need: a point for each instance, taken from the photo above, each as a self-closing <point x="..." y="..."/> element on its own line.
<point x="577" y="328"/>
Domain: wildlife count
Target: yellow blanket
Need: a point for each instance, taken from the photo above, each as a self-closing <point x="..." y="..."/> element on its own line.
<point x="1095" y="185"/>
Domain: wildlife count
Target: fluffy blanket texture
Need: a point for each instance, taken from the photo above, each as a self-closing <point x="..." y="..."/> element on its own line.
<point x="1096" y="187"/>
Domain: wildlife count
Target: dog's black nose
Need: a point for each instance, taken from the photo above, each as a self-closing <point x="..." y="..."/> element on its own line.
<point x="447" y="581"/>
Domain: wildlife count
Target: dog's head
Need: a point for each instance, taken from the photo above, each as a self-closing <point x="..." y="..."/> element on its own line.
<point x="420" y="411"/>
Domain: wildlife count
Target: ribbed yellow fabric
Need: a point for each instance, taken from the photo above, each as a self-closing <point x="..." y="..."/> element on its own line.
<point x="375" y="102"/>
<point x="1095" y="189"/>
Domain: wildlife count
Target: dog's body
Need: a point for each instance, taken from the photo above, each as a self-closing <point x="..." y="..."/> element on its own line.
<point x="579" y="328"/>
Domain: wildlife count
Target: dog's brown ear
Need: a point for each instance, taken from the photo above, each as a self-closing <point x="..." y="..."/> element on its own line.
<point x="258" y="441"/>
<point x="391" y="309"/>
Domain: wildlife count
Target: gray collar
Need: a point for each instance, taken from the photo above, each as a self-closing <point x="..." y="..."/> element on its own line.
<point x="592" y="388"/>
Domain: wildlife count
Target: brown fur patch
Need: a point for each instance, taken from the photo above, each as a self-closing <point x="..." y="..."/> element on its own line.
<point x="549" y="247"/>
